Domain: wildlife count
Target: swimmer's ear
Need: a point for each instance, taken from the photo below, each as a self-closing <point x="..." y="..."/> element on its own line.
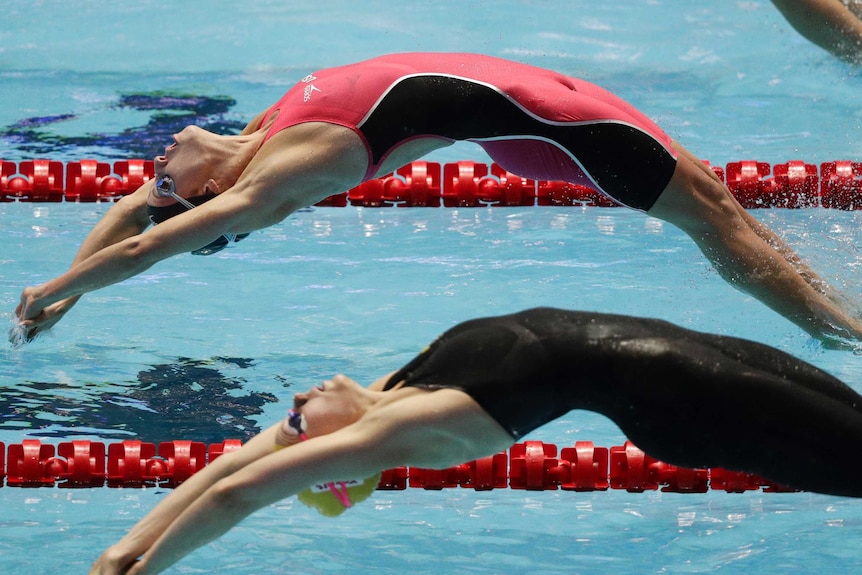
<point x="321" y="498"/>
<point x="212" y="186"/>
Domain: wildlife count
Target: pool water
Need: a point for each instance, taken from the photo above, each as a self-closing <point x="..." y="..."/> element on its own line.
<point x="214" y="348"/>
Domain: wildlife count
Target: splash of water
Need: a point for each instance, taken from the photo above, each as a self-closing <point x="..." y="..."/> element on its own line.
<point x="17" y="333"/>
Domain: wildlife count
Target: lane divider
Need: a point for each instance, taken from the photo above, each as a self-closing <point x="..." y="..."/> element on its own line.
<point x="792" y="184"/>
<point x="531" y="465"/>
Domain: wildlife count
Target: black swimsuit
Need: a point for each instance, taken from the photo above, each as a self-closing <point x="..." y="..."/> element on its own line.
<point x="685" y="397"/>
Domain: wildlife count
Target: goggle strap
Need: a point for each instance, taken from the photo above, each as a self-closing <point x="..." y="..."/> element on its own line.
<point x="189" y="206"/>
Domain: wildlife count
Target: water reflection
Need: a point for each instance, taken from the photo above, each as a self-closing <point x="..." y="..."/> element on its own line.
<point x="186" y="399"/>
<point x="169" y="113"/>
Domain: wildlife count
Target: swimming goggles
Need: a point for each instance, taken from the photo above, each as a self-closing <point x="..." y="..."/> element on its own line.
<point x="166" y="188"/>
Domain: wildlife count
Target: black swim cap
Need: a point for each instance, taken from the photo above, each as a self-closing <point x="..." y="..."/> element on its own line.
<point x="159" y="214"/>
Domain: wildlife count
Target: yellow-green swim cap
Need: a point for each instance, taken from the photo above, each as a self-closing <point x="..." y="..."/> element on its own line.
<point x="331" y="499"/>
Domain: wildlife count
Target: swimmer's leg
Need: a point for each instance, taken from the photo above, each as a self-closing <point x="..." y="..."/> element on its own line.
<point x="707" y="401"/>
<point x="748" y="255"/>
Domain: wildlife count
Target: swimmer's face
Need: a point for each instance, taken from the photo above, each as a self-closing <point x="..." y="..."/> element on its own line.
<point x="188" y="161"/>
<point x="334" y="404"/>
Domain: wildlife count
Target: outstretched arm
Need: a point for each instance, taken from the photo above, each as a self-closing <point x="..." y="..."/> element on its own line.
<point x="427" y="429"/>
<point x="120" y="556"/>
<point x="223" y="493"/>
<point x="114" y="252"/>
<point x="126" y="218"/>
<point x="828" y="23"/>
<point x="282" y="177"/>
<point x="233" y="497"/>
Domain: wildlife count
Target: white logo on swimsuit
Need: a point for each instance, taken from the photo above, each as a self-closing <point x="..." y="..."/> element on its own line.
<point x="310" y="89"/>
<point x="306" y="94"/>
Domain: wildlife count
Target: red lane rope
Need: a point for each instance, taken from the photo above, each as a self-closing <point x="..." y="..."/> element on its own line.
<point x="793" y="184"/>
<point x="529" y="465"/>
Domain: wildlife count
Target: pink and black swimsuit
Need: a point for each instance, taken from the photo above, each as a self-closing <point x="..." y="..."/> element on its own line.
<point x="533" y="122"/>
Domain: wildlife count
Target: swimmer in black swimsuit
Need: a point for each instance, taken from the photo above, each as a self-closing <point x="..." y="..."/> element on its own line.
<point x="687" y="398"/>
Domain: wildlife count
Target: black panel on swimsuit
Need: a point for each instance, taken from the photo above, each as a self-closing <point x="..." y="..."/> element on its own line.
<point x="627" y="163"/>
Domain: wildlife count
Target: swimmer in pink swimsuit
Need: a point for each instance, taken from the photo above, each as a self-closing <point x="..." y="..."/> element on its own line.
<point x="340" y="126"/>
<point x="534" y="122"/>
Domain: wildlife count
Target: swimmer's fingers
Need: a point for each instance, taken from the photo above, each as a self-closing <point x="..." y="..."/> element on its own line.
<point x="111" y="563"/>
<point x="19" y="335"/>
<point x="285" y="436"/>
<point x="23" y="332"/>
<point x="26" y="330"/>
<point x="28" y="307"/>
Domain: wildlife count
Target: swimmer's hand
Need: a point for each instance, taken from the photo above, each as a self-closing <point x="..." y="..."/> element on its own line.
<point x="112" y="562"/>
<point x="17" y="334"/>
<point x="32" y="320"/>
